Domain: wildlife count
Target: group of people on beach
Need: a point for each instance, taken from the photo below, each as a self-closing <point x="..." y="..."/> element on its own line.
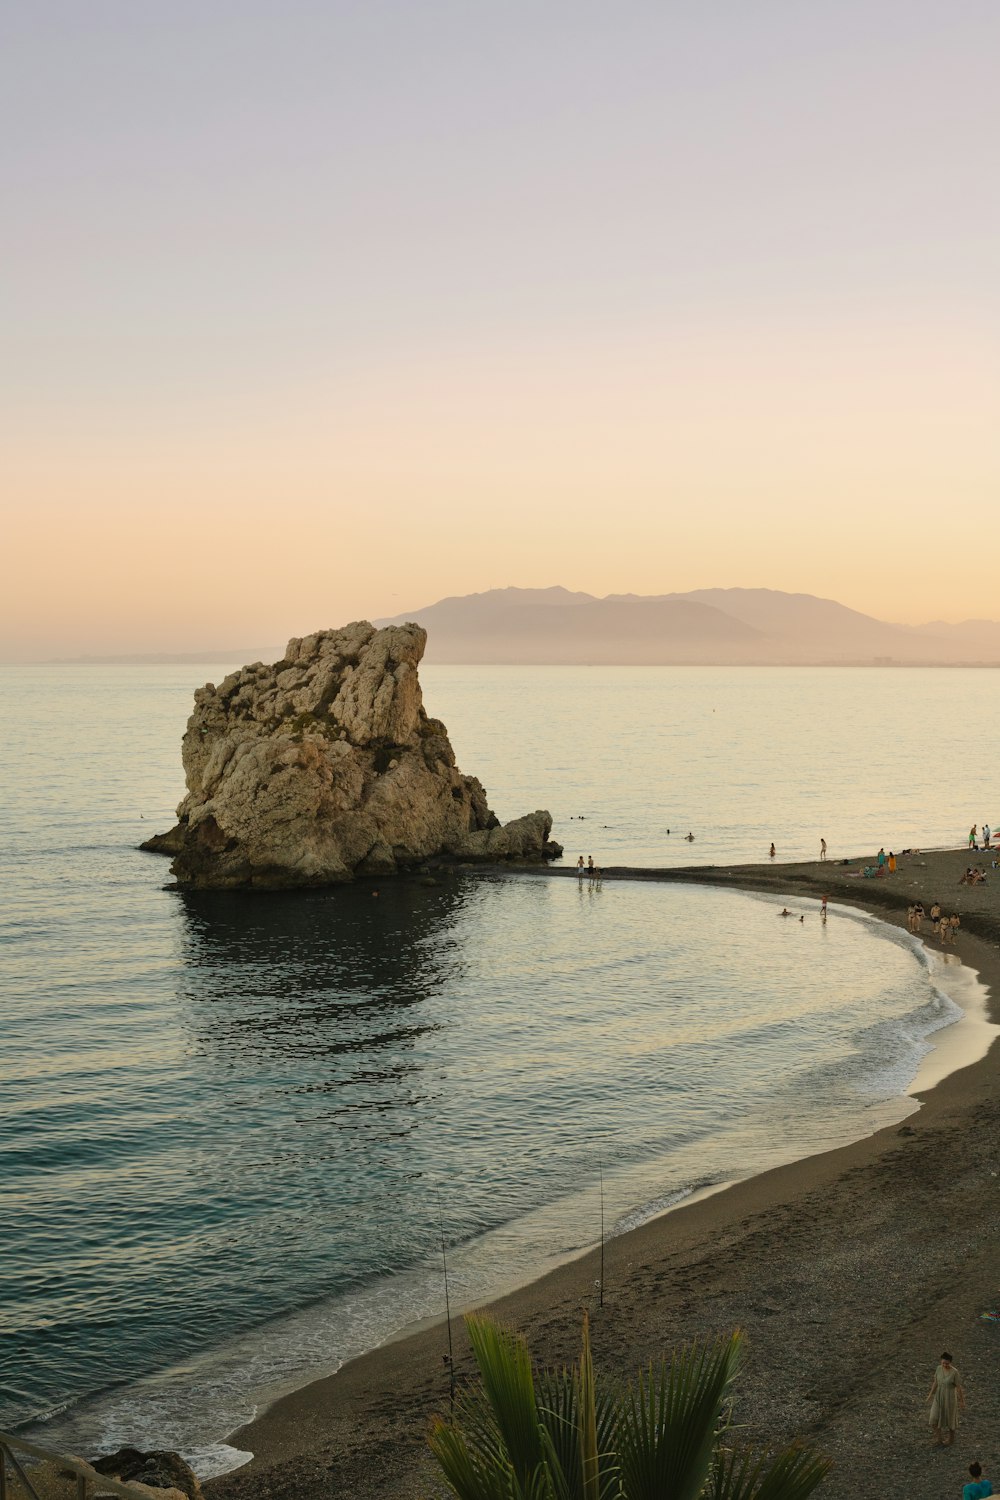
<point x="945" y="928"/>
<point x="589" y="869"/>
<point x="973" y="841"/>
<point x="947" y="1399"/>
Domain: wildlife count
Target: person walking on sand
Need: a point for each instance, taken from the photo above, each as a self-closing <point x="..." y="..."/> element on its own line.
<point x="881" y="861"/>
<point x="947" y="1398"/>
<point x="822" y="848"/>
<point x="978" y="1487"/>
<point x="892" y="863"/>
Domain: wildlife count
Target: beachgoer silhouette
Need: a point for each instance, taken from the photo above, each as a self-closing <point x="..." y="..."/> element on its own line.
<point x="690" y="838"/>
<point x="771" y="852"/>
<point x="822" y="848"/>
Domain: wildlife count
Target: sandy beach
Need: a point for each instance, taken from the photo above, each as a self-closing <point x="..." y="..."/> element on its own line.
<point x="850" y="1271"/>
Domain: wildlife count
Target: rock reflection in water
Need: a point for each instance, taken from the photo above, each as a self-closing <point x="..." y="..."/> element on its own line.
<point x="307" y="1009"/>
<point x="316" y="972"/>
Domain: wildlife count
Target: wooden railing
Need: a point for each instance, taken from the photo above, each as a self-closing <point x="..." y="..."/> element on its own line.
<point x="89" y="1484"/>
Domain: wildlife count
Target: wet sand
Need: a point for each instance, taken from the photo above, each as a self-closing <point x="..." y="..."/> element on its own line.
<point x="850" y="1271"/>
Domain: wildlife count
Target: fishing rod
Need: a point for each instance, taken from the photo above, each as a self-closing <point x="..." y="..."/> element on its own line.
<point x="600" y="1284"/>
<point x="449" y="1358"/>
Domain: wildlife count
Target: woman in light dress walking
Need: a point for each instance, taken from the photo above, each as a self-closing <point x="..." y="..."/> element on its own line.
<point x="946" y="1397"/>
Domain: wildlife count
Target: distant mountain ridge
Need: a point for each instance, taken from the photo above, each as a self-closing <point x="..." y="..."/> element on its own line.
<point x="722" y="627"/>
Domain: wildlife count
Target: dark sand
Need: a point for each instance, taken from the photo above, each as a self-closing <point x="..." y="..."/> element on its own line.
<point x="850" y="1272"/>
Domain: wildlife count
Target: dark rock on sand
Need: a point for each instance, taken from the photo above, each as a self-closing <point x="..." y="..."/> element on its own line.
<point x="160" y="1470"/>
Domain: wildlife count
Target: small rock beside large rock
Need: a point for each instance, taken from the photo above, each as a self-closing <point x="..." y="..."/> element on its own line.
<point x="325" y="766"/>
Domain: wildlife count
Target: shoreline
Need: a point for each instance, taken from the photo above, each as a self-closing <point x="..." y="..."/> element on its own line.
<point x="710" y="1263"/>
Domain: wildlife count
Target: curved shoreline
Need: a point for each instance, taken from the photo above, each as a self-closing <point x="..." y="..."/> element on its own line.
<point x="709" y="1263"/>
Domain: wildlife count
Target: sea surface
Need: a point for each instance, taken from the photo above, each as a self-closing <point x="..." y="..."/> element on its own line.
<point x="236" y="1129"/>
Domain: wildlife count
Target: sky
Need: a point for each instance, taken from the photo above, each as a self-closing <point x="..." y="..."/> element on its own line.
<point x="321" y="312"/>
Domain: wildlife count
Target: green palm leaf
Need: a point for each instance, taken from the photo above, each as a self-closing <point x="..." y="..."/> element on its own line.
<point x="509" y="1387"/>
<point x="669" y="1423"/>
<point x="566" y="1436"/>
<point x="791" y="1474"/>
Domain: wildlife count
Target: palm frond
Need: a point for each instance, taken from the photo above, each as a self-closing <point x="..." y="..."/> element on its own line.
<point x="473" y="1474"/>
<point x="560" y="1409"/>
<point x="791" y="1474"/>
<point x="509" y="1387"/>
<point x="669" y="1420"/>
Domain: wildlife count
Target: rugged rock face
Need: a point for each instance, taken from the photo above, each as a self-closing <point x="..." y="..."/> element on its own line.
<point x="157" y="1470"/>
<point x="325" y="765"/>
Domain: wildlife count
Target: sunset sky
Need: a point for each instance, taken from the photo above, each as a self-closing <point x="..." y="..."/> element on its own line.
<point x="314" y="312"/>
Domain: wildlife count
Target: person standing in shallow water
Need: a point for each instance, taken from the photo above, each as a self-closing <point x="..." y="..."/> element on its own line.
<point x="947" y="1398"/>
<point x="822" y="848"/>
<point x="771" y="852"/>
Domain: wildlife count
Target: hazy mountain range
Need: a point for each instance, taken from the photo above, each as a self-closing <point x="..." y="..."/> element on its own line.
<point x="705" y="627"/>
<point x="720" y="627"/>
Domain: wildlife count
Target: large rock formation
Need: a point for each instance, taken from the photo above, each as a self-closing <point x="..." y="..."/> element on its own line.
<point x="325" y="765"/>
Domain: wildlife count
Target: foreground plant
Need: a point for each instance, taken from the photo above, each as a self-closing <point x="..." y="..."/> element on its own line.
<point x="564" y="1435"/>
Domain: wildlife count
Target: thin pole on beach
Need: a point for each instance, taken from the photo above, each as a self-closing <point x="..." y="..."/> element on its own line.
<point x="447" y="1309"/>
<point x="600" y="1297"/>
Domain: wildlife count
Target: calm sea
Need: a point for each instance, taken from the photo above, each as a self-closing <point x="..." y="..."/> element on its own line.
<point x="234" y="1127"/>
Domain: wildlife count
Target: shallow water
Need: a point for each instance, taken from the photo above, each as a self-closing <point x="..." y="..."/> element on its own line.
<point x="233" y="1126"/>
